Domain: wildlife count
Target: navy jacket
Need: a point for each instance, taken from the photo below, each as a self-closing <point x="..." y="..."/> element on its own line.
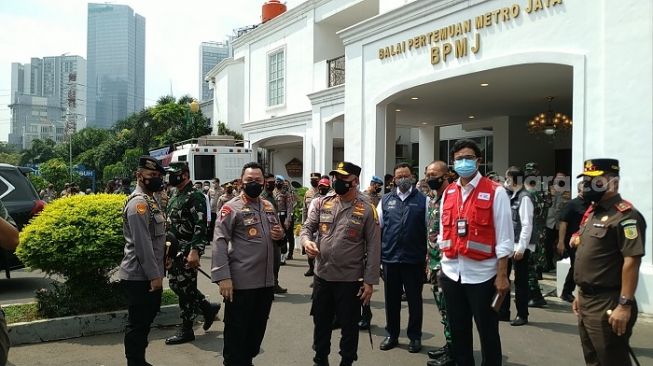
<point x="403" y="236"/>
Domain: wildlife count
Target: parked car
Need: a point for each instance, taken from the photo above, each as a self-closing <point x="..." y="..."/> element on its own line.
<point x="22" y="202"/>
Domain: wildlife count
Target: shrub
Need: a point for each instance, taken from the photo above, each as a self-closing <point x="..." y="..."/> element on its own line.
<point x="79" y="238"/>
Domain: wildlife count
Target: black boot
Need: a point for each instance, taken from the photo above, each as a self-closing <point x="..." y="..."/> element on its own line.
<point x="184" y="334"/>
<point x="209" y="312"/>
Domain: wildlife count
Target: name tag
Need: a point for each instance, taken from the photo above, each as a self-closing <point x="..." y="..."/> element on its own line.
<point x="484" y="196"/>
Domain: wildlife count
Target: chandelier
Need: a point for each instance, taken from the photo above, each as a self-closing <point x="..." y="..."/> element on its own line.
<point x="549" y="122"/>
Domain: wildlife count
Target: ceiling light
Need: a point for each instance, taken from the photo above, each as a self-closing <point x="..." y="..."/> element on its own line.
<point x="484" y="84"/>
<point x="549" y="122"/>
<point x="424" y="123"/>
<point x="471" y="117"/>
<point x="397" y="110"/>
<point x="414" y="98"/>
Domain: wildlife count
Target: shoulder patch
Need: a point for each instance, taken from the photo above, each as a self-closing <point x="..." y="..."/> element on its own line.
<point x="224" y="211"/>
<point x="630" y="232"/>
<point x="267" y="205"/>
<point x="623" y="206"/>
<point x="628" y="222"/>
<point x="141" y="208"/>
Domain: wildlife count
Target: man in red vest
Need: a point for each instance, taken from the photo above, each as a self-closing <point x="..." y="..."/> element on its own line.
<point x="476" y="239"/>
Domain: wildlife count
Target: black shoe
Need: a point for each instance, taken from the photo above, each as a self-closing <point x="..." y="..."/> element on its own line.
<point x="364" y="324"/>
<point x="537" y="302"/>
<point x="519" y="321"/>
<point x="318" y="361"/>
<point x="280" y="290"/>
<point x="415" y="346"/>
<point x="184" y="334"/>
<point x="438" y="352"/>
<point x="444" y="360"/>
<point x="209" y="312"/>
<point x="538" y="272"/>
<point x="290" y="257"/>
<point x="388" y="344"/>
<point x="567" y="297"/>
<point x="309" y="273"/>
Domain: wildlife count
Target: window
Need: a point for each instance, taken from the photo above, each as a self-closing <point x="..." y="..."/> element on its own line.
<point x="276" y="73"/>
<point x="204" y="167"/>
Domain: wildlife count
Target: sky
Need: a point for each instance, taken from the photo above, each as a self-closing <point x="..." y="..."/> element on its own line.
<point x="173" y="33"/>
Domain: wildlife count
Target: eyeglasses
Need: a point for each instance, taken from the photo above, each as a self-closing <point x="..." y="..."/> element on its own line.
<point x="464" y="157"/>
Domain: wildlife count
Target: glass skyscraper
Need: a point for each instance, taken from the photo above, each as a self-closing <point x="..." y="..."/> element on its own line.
<point x="211" y="53"/>
<point x="115" y="64"/>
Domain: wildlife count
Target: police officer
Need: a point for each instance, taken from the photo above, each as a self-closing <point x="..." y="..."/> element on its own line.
<point x="436" y="179"/>
<point x="187" y="216"/>
<point x="142" y="268"/>
<point x="610" y="246"/>
<point x="347" y="257"/>
<point x="308" y="197"/>
<point x="373" y="192"/>
<point x="227" y="196"/>
<point x="268" y="195"/>
<point x="242" y="265"/>
<point x="285" y="210"/>
<point x="533" y="184"/>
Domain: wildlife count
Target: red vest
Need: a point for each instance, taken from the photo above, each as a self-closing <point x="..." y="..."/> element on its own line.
<point x="480" y="241"/>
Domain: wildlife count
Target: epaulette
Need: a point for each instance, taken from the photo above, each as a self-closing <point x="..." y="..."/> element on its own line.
<point x="267" y="205"/>
<point x="623" y="206"/>
<point x="376" y="214"/>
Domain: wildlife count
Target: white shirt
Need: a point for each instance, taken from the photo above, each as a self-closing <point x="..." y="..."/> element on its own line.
<point x="208" y="210"/>
<point x="470" y="270"/>
<point x="402" y="197"/>
<point x="526" y="210"/>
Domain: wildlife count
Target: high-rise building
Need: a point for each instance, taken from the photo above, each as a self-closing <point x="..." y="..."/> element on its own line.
<point x="47" y="94"/>
<point x="116" y="64"/>
<point x="211" y="53"/>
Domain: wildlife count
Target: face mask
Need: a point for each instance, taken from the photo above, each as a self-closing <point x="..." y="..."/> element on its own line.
<point x="230" y="190"/>
<point x="435" y="183"/>
<point x="253" y="189"/>
<point x="176" y="179"/>
<point x="404" y="184"/>
<point x="341" y="187"/>
<point x="269" y="186"/>
<point x="279" y="185"/>
<point x="377" y="189"/>
<point x="592" y="192"/>
<point x="314" y="183"/>
<point x="324" y="191"/>
<point x="465" y="167"/>
<point x="153" y="184"/>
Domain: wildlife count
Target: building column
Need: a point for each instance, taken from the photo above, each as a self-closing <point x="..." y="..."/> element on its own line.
<point x="429" y="145"/>
<point x="500" y="151"/>
<point x="307" y="157"/>
<point x="327" y="147"/>
<point x="390" y="153"/>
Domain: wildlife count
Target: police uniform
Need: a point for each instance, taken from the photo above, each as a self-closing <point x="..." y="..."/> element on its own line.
<point x="243" y="251"/>
<point x="310" y="194"/>
<point x="349" y="242"/>
<point x="611" y="230"/>
<point x="144" y="231"/>
<point x="224" y="198"/>
<point x="186" y="213"/>
<point x="285" y="205"/>
<point x="371" y="194"/>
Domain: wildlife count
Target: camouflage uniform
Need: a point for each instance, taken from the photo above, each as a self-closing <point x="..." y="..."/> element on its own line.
<point x="434" y="257"/>
<point x="186" y="214"/>
<point x="541" y="206"/>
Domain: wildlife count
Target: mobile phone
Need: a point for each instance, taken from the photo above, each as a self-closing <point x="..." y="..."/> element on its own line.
<point x="497" y="300"/>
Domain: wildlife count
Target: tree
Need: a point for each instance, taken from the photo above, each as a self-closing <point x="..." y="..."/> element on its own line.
<point x="41" y="151"/>
<point x="224" y="130"/>
<point x="57" y="172"/>
<point x="10" y="158"/>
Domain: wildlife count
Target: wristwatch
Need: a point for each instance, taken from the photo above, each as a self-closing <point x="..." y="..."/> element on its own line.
<point x="623" y="300"/>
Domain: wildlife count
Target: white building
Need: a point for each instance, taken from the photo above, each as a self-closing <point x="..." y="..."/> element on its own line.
<point x="423" y="73"/>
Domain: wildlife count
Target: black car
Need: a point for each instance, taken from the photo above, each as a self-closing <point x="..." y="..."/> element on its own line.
<point x="22" y="202"/>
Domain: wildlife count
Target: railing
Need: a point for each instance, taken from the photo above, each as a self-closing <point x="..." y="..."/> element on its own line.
<point x="336" y="71"/>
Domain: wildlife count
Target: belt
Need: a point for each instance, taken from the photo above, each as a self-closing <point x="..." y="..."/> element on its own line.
<point x="597" y="290"/>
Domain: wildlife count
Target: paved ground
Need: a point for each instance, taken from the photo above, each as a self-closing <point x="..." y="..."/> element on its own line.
<point x="550" y="339"/>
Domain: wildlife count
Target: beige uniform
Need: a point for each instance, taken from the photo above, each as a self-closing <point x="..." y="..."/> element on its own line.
<point x="349" y="239"/>
<point x="308" y="197"/>
<point x="242" y="244"/>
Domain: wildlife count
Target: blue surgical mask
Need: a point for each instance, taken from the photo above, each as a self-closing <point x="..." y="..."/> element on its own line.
<point x="465" y="167"/>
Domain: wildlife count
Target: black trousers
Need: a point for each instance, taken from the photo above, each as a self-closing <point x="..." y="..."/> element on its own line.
<point x="397" y="278"/>
<point x="521" y="286"/>
<point x="143" y="306"/>
<point x="276" y="262"/>
<point x="570" y="284"/>
<point x="472" y="301"/>
<point x="550" y="244"/>
<point x="340" y="300"/>
<point x="245" y="321"/>
<point x="209" y="231"/>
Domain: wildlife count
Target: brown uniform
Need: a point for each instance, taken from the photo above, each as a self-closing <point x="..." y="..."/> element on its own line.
<point x="308" y="197"/>
<point x="373" y="197"/>
<point x="612" y="231"/>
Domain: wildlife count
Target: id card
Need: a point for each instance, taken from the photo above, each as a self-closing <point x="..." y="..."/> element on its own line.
<point x="461" y="224"/>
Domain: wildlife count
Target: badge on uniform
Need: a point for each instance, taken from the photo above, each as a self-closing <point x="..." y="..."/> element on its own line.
<point x="630" y="232"/>
<point x="141" y="208"/>
<point x="324" y="228"/>
<point x="252" y="232"/>
<point x="462" y="227"/>
<point x="484" y="196"/>
<point x="226" y="210"/>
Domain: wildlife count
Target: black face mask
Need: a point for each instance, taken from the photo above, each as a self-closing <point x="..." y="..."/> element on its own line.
<point x="269" y="186"/>
<point x="324" y="191"/>
<point x="176" y="179"/>
<point x="377" y="189"/>
<point x="435" y="183"/>
<point x="592" y="193"/>
<point x="153" y="184"/>
<point x="279" y="185"/>
<point x="341" y="187"/>
<point x="230" y="190"/>
<point x="314" y="183"/>
<point x="253" y="189"/>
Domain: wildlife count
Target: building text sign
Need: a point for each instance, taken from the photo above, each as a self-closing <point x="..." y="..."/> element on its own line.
<point x="456" y="40"/>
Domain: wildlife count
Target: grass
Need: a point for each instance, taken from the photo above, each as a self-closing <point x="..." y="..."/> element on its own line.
<point x="29" y="312"/>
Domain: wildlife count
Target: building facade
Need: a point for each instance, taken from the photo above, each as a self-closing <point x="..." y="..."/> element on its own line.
<point x="47" y="94"/>
<point x="377" y="82"/>
<point x="116" y="64"/>
<point x="211" y="53"/>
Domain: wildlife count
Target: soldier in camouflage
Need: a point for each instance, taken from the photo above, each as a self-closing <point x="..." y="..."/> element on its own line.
<point x="435" y="178"/>
<point x="186" y="214"/>
<point x="533" y="185"/>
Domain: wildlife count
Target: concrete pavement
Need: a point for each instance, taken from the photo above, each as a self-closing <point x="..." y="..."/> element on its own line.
<point x="551" y="338"/>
